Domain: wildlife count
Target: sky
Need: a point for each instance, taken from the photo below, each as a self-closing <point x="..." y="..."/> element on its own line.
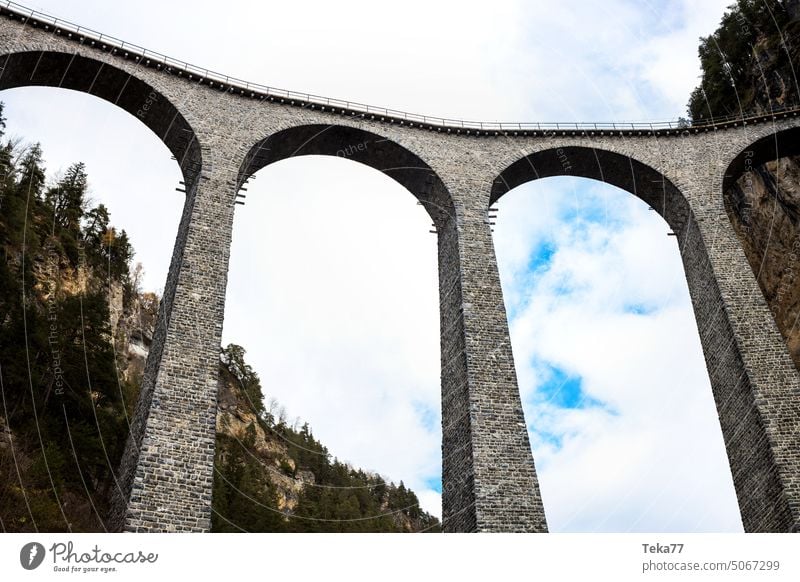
<point x="333" y="289"/>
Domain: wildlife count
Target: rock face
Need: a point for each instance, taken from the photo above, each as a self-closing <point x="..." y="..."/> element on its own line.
<point x="237" y="420"/>
<point x="132" y="329"/>
<point x="764" y="206"/>
<point x="278" y="478"/>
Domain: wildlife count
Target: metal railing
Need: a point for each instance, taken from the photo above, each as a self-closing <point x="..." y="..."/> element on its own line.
<point x="232" y="84"/>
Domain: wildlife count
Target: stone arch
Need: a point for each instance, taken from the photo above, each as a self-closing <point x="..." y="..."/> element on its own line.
<point x="358" y="145"/>
<point x="54" y="68"/>
<point x="775" y="145"/>
<point x="762" y="474"/>
<point x="622" y="171"/>
<point x="377" y="152"/>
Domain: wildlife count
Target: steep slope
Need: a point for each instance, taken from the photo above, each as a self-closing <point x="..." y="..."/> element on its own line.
<point x="270" y="476"/>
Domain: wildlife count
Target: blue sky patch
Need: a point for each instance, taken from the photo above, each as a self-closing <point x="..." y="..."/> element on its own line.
<point x="640" y="309"/>
<point x="551" y="438"/>
<point x="428" y="417"/>
<point x="541" y="257"/>
<point x="564" y="390"/>
<point x="434" y="483"/>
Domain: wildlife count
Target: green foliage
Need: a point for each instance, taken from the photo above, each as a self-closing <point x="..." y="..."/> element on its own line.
<point x="65" y="199"/>
<point x="244" y="496"/>
<point x="344" y="499"/>
<point x="340" y="498"/>
<point x="63" y="399"/>
<point x="754" y="46"/>
<point x="233" y="358"/>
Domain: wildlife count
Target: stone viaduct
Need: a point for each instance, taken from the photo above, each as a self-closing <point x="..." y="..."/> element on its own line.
<point x="223" y="130"/>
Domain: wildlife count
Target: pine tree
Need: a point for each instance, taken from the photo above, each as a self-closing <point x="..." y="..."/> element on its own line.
<point x="66" y="198"/>
<point x="750" y="32"/>
<point x="60" y="384"/>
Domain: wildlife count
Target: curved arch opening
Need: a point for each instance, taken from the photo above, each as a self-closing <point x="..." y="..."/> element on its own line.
<point x="343" y="329"/>
<point x="782" y="144"/>
<point x="122" y="89"/>
<point x="605" y="166"/>
<point x="69" y="399"/>
<point x="358" y="145"/>
<point x="607" y="349"/>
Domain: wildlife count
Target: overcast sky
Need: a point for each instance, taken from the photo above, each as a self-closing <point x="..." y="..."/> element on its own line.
<point x="333" y="286"/>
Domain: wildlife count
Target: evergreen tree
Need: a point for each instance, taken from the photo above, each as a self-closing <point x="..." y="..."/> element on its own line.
<point x="96" y="224"/>
<point x="233" y="357"/>
<point x="753" y="36"/>
<point x="65" y="199"/>
<point x="63" y="397"/>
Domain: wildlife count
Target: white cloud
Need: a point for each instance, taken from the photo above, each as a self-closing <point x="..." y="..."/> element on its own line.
<point x="609" y="61"/>
<point x="650" y="455"/>
<point x="333" y="290"/>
